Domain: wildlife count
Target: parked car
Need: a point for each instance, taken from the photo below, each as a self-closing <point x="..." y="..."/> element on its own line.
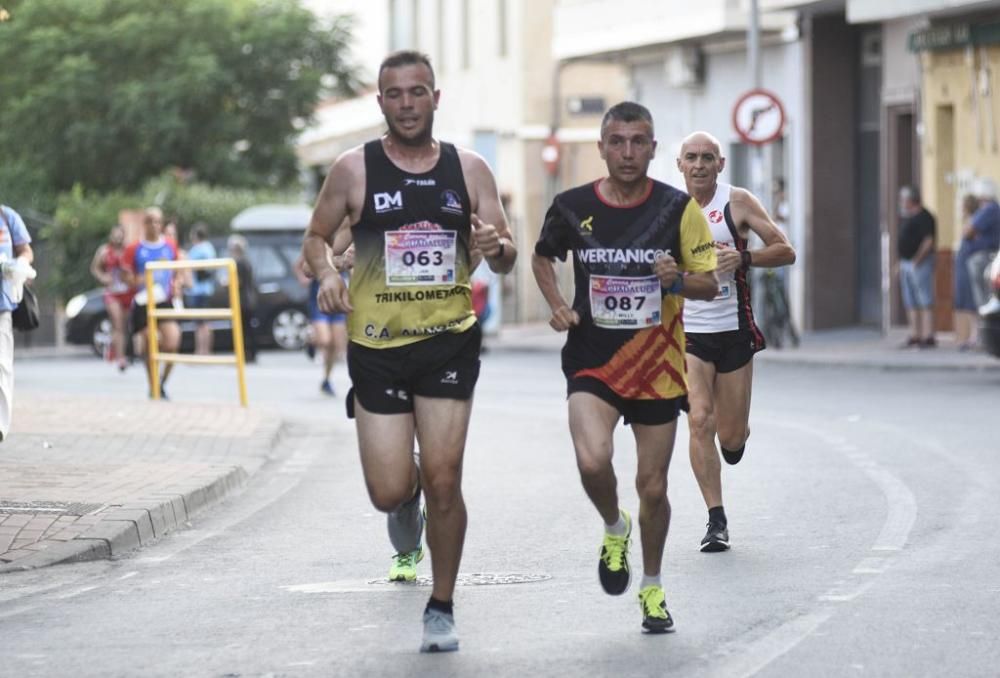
<point x="989" y="313"/>
<point x="274" y="236"/>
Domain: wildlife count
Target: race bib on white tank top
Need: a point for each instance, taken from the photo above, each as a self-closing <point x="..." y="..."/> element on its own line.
<point x="721" y="313"/>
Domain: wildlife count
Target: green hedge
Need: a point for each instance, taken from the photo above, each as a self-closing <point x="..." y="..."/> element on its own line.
<point x="82" y="220"/>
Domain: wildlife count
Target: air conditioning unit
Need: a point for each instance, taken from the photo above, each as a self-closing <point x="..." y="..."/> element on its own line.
<point x="685" y="66"/>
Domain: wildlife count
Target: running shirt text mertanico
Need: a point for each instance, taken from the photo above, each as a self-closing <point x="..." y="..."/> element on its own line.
<point x="630" y="334"/>
<point x="411" y="263"/>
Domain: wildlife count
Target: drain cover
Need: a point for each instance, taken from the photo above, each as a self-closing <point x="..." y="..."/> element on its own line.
<point x="51" y="507"/>
<point x="476" y="579"/>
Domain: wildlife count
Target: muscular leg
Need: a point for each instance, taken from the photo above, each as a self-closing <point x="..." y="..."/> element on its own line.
<point x="591" y="424"/>
<point x="442" y="425"/>
<point x="170" y="342"/>
<point x="385" y="442"/>
<point x="117" y="316"/>
<point x="701" y="422"/>
<point x="323" y="343"/>
<point x="654" y="447"/>
<point x="732" y="406"/>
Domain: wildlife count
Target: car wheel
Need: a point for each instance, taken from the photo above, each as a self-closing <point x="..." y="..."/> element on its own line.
<point x="100" y="336"/>
<point x="289" y="329"/>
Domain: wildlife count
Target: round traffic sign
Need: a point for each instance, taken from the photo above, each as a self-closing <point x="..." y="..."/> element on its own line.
<point x="759" y="117"/>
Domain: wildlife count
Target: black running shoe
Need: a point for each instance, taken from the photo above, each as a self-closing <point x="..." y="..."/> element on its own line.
<point x="716" y="539"/>
<point x="613" y="568"/>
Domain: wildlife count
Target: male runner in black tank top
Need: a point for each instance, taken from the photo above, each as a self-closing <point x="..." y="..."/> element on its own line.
<point x="631" y="238"/>
<point x="420" y="212"/>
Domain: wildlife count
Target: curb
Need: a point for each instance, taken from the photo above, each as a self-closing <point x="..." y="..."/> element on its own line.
<point x="122" y="529"/>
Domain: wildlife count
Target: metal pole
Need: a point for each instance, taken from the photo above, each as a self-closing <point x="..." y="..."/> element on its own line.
<point x="753" y="44"/>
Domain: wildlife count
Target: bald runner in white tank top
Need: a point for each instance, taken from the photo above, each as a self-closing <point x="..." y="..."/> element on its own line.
<point x="730" y="310"/>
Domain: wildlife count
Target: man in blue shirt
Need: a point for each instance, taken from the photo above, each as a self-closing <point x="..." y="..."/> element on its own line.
<point x="15" y="243"/>
<point x="202" y="287"/>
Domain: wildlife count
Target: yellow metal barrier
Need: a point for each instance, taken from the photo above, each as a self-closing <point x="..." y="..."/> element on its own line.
<point x="233" y="314"/>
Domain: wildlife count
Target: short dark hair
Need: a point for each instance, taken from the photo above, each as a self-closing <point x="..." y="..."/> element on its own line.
<point x="405" y="57"/>
<point x="199" y="231"/>
<point x="912" y="193"/>
<point x="627" y="111"/>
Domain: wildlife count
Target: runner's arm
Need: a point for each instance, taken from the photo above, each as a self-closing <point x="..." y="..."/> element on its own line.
<point x="777" y="251"/>
<point x="329" y="217"/>
<point x="97" y="270"/>
<point x="698" y="256"/>
<point x="563" y="316"/>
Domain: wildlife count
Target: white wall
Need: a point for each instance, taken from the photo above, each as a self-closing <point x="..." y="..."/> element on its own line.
<point x="677" y="113"/>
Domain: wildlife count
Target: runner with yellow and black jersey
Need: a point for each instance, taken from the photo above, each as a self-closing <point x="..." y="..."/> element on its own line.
<point x="420" y="213"/>
<point x="637" y="246"/>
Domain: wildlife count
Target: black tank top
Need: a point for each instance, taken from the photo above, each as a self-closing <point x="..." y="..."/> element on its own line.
<point x="411" y="261"/>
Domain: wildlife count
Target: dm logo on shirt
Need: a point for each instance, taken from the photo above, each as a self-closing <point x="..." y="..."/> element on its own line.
<point x="451" y="202"/>
<point x="715" y="216"/>
<point x="388" y="202"/>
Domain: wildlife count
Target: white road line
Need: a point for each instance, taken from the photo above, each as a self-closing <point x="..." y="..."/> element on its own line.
<point x="746" y="659"/>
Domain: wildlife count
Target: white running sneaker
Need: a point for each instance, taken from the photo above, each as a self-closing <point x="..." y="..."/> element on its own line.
<point x="439" y="632"/>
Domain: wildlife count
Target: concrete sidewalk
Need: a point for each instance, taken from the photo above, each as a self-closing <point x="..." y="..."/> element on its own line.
<point x="96" y="477"/>
<point x="853" y="347"/>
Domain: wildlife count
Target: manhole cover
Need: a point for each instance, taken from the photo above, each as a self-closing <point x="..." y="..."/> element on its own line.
<point x="61" y="508"/>
<point x="476" y="579"/>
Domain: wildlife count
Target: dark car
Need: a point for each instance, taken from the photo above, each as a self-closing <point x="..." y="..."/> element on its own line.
<point x="989" y="313"/>
<point x="281" y="316"/>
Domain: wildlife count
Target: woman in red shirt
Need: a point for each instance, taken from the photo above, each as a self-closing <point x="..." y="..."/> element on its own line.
<point x="108" y="266"/>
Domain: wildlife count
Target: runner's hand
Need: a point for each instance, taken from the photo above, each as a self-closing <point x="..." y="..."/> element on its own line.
<point x="484" y="238"/>
<point x="564" y="318"/>
<point x="333" y="296"/>
<point x="665" y="268"/>
<point x="728" y="259"/>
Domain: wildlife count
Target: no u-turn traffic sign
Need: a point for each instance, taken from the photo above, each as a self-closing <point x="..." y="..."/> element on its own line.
<point x="759" y="117"/>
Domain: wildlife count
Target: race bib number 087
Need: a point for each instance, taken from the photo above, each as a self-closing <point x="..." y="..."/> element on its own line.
<point x="420" y="257"/>
<point x="625" y="303"/>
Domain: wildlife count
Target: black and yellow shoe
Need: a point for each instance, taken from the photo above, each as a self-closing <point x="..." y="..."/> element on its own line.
<point x="613" y="568"/>
<point x="655" y="618"/>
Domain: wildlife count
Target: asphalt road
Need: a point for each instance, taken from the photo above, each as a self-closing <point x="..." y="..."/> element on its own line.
<point x="861" y="521"/>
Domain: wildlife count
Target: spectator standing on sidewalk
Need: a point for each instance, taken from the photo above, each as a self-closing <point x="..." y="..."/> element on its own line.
<point x="980" y="238"/>
<point x="915" y="247"/>
<point x="202" y="285"/>
<point x="237" y="247"/>
<point x="15" y="258"/>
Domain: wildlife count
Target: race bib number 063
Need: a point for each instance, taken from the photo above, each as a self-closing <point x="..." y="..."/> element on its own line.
<point x="420" y="257"/>
<point x="625" y="303"/>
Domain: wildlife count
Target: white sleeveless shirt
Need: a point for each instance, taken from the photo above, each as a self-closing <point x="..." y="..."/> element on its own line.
<point x="722" y="313"/>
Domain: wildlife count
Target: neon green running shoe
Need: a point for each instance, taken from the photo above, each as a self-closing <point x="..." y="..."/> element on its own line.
<point x="655" y="618"/>
<point x="613" y="568"/>
<point x="404" y="565"/>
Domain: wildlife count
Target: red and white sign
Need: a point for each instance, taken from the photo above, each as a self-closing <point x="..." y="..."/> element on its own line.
<point x="759" y="117"/>
<point x="551" y="155"/>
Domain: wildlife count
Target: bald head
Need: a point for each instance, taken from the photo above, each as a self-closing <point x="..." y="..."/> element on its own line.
<point x="701" y="139"/>
<point x="700" y="161"/>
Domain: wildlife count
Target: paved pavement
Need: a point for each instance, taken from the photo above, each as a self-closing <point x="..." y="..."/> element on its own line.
<point x="84" y="478"/>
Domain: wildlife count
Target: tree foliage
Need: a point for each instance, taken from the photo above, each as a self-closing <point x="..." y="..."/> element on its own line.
<point x="83" y="218"/>
<point x="108" y="93"/>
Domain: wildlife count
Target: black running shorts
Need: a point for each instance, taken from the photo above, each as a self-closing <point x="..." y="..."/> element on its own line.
<point x="645" y="412"/>
<point x="139" y="316"/>
<point x="728" y="351"/>
<point x="384" y="380"/>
